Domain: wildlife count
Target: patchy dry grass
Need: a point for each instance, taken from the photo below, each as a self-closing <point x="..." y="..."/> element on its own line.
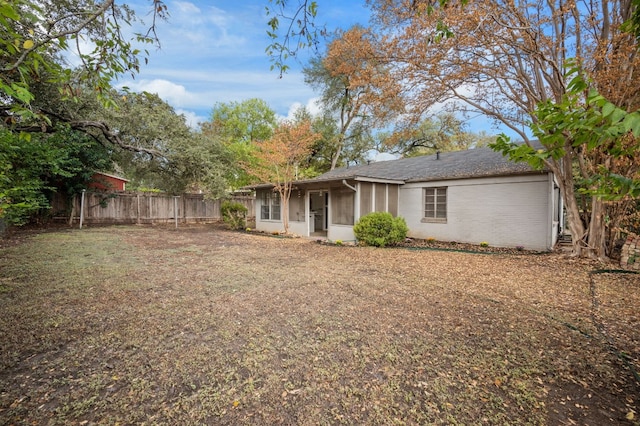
<point x="131" y="325"/>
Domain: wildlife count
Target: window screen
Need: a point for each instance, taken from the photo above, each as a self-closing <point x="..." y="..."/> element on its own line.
<point x="342" y="200"/>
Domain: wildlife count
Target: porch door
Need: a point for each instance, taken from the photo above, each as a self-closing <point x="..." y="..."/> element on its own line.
<point x="318" y="210"/>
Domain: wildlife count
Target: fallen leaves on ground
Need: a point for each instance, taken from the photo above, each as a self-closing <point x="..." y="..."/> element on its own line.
<point x="200" y="325"/>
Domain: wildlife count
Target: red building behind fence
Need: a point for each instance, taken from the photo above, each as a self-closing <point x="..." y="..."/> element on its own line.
<point x="106" y="182"/>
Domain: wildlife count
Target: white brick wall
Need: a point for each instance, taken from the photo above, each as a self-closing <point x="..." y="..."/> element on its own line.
<point x="505" y="212"/>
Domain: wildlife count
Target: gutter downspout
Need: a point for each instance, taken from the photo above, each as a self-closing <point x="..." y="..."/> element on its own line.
<point x="353" y="188"/>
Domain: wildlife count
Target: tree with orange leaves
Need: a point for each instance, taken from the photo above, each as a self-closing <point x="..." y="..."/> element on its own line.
<point x="356" y="90"/>
<point x="277" y="160"/>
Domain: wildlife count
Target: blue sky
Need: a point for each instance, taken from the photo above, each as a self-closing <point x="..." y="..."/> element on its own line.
<point x="214" y="51"/>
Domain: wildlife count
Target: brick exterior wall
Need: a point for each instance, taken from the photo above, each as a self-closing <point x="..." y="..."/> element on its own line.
<point x="630" y="259"/>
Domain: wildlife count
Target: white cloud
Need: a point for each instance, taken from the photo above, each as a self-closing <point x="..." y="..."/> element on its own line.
<point x="174" y="94"/>
<point x="192" y="119"/>
<point x="197" y="32"/>
<point x="200" y="90"/>
<point x="311" y="106"/>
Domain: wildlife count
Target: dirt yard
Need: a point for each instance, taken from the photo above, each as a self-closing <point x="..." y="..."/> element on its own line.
<point x="149" y="325"/>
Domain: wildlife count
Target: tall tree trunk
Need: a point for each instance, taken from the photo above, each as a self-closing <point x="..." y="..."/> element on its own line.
<point x="563" y="170"/>
<point x="597" y="232"/>
<point x="285" y="195"/>
<point x="574" y="220"/>
<point x="338" y="152"/>
<point x="285" y="215"/>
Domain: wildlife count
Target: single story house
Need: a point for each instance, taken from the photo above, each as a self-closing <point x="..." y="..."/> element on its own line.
<point x="469" y="196"/>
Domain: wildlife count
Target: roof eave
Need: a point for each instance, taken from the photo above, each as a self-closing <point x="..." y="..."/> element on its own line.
<point x="478" y="176"/>
<point x="378" y="180"/>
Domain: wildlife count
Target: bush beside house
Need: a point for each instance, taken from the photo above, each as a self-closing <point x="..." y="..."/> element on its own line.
<point x="380" y="229"/>
<point x="234" y="214"/>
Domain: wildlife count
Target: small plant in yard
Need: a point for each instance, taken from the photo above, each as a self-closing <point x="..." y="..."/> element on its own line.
<point x="380" y="229"/>
<point x="484" y="244"/>
<point x="338" y="242"/>
<point x="234" y="214"/>
<point x="519" y="248"/>
<point x="431" y="240"/>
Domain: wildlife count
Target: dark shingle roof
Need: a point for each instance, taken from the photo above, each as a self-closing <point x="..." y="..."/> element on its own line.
<point x="479" y="162"/>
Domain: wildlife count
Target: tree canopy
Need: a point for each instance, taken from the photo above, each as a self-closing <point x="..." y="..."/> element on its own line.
<point x="442" y="132"/>
<point x="240" y="126"/>
<point x="181" y="158"/>
<point x="32" y="169"/>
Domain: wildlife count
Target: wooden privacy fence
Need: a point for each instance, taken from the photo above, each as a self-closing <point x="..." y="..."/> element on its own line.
<point x="141" y="208"/>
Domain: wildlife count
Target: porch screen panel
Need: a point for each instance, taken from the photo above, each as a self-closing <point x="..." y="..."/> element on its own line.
<point x="296" y="207"/>
<point x="381" y="197"/>
<point x="392" y="194"/>
<point x="265" y="206"/>
<point x="342" y="203"/>
<point x="275" y="206"/>
<point x="366" y="198"/>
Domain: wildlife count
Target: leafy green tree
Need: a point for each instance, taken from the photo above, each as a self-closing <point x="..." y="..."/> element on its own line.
<point x="632" y="24"/>
<point x="168" y="154"/>
<point x="239" y="125"/>
<point x="42" y="94"/>
<point x="322" y="152"/>
<point x="34" y="168"/>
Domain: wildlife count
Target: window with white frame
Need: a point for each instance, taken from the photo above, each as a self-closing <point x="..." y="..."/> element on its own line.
<point x="435" y="204"/>
<point x="270" y="206"/>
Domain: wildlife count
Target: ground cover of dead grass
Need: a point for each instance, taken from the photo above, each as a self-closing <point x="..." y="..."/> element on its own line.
<point x="149" y="325"/>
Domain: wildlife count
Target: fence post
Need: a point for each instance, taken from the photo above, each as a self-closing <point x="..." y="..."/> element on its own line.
<point x="138" y="209"/>
<point x="184" y="208"/>
<point x="175" y="210"/>
<point x="82" y="207"/>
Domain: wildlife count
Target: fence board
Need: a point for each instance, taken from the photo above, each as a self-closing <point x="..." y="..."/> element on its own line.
<point x="135" y="207"/>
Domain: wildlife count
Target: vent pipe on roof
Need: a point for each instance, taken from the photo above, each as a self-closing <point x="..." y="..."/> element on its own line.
<point x="437" y="155"/>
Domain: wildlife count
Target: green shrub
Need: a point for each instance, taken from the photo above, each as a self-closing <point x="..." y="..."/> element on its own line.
<point x="380" y="229"/>
<point x="234" y="214"/>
